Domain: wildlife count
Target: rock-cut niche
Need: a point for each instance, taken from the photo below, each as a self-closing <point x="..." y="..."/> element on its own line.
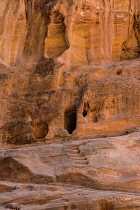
<point x="40" y="130"/>
<point x="55" y="43"/>
<point x="70" y="120"/>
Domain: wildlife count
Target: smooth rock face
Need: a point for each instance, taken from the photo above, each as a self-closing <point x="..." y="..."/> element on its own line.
<point x="70" y="104"/>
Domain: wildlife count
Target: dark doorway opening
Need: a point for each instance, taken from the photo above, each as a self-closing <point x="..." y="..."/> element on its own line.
<point x="70" y="120"/>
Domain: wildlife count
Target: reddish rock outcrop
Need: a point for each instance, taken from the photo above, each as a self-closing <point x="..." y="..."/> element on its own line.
<point x="69" y="104"/>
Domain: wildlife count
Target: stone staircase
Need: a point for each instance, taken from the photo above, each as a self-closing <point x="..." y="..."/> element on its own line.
<point x="78" y="158"/>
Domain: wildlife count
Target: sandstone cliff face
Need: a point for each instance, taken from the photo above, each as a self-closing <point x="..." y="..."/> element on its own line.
<point x="12" y="31"/>
<point x="94" y="31"/>
<point x="52" y="76"/>
<point x="51" y="72"/>
<point x="69" y="104"/>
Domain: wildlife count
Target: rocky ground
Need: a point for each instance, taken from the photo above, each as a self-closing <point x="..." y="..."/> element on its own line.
<point x="101" y="173"/>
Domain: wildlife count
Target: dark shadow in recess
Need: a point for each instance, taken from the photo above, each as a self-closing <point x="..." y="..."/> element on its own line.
<point x="70" y="120"/>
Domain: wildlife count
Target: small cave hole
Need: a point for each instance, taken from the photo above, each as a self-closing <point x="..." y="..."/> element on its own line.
<point x="40" y="130"/>
<point x="70" y="120"/>
<point x="86" y="109"/>
<point x="84" y="113"/>
<point x="119" y="72"/>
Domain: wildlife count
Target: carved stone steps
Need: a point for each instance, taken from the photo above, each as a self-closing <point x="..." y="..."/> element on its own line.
<point x="72" y="151"/>
<point x="76" y="155"/>
<point x="81" y="162"/>
<point x="78" y="158"/>
<point x="73" y="147"/>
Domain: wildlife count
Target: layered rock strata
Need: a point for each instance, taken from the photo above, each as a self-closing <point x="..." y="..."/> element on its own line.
<point x="56" y="175"/>
<point x="69" y="104"/>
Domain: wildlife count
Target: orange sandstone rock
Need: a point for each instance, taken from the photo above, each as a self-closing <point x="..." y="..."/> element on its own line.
<point x="69" y="104"/>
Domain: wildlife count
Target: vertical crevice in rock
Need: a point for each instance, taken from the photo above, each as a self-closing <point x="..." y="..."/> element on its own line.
<point x="136" y="27"/>
<point x="131" y="47"/>
<point x="38" y="15"/>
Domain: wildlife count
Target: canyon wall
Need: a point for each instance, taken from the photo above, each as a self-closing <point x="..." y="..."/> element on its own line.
<point x="58" y="57"/>
<point x="83" y="32"/>
<point x="70" y="104"/>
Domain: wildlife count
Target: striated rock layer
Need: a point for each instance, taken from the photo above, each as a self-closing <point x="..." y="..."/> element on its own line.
<point x="70" y="104"/>
<point x="94" y="31"/>
<point x="93" y="174"/>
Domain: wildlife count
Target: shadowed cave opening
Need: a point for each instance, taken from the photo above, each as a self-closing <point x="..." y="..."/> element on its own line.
<point x="86" y="109"/>
<point x="84" y="113"/>
<point x="119" y="72"/>
<point x="70" y="120"/>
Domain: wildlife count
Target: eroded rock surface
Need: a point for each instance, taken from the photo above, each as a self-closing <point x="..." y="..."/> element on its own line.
<point x="94" y="31"/>
<point x="70" y="104"/>
<point x="88" y="174"/>
<point x="88" y="101"/>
